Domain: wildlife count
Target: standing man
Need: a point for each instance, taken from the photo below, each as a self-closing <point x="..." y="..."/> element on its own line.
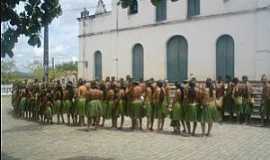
<point x="148" y="105"/>
<point x="136" y="106"/>
<point x="81" y="100"/>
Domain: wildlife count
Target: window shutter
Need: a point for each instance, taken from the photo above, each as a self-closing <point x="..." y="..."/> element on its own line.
<point x="161" y="10"/>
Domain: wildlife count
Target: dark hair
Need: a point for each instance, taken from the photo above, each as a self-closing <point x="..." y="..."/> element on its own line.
<point x="235" y="80"/>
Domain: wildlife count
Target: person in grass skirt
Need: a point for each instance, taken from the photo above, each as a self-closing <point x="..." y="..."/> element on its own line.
<point x="192" y="107"/>
<point x="136" y="106"/>
<point x="238" y="100"/>
<point x="248" y="99"/>
<point x="177" y="112"/>
<point x="48" y="104"/>
<point x="148" y="105"/>
<point x="220" y="92"/>
<point x="68" y="96"/>
<point x="108" y="103"/>
<point x="119" y="110"/>
<point x="80" y="102"/>
<point x="58" y="102"/>
<point x="228" y="100"/>
<point x="209" y="112"/>
<point x="266" y="100"/>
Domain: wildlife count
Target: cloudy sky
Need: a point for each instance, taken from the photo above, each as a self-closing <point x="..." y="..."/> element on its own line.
<point x="63" y="36"/>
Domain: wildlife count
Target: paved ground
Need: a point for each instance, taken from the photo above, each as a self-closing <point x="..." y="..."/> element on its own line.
<point x="25" y="140"/>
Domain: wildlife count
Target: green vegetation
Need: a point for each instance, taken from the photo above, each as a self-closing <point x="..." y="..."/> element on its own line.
<point x="25" y="17"/>
<point x="9" y="73"/>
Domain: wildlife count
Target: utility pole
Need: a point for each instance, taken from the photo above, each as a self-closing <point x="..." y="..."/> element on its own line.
<point x="46" y="53"/>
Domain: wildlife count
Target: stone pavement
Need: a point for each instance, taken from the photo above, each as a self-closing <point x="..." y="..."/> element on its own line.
<point x="26" y="140"/>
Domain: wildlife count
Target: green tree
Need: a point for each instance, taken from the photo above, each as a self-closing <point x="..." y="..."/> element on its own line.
<point x="7" y="68"/>
<point x="59" y="71"/>
<point x="25" y="17"/>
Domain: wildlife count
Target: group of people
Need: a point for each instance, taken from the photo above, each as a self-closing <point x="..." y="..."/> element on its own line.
<point x="189" y="103"/>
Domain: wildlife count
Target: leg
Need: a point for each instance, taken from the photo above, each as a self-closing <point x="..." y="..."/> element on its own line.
<point x="122" y="121"/>
<point x="194" y="128"/>
<point x="188" y="126"/>
<point x="203" y="128"/>
<point x="210" y="125"/>
<point x="62" y="117"/>
<point x="184" y="126"/>
<point x="140" y="123"/>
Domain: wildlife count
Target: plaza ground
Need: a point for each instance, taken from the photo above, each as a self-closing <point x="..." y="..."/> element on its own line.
<point x="26" y="140"/>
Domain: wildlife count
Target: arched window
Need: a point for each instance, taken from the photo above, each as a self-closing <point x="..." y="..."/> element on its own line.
<point x="193" y="8"/>
<point x="98" y="65"/>
<point x="133" y="9"/>
<point x="225" y="57"/>
<point x="161" y="10"/>
<point x="177" y="59"/>
<point x="137" y="62"/>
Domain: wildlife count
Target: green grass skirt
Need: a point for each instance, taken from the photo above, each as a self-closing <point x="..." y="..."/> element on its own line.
<point x="163" y="112"/>
<point x="155" y="109"/>
<point x="80" y="106"/>
<point x="48" y="112"/>
<point x="247" y="107"/>
<point x="148" y="108"/>
<point x="266" y="107"/>
<point x="23" y="104"/>
<point x="119" y="109"/>
<point x="228" y="103"/>
<point x="137" y="110"/>
<point x="94" y="108"/>
<point x="209" y="114"/>
<point x="177" y="112"/>
<point x="67" y="104"/>
<point x="192" y="112"/>
<point x="107" y="109"/>
<point x="57" y="107"/>
<point x="238" y="105"/>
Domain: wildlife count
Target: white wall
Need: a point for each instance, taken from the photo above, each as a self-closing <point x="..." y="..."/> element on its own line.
<point x="250" y="32"/>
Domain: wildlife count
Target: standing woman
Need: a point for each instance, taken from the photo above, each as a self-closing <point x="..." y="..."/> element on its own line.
<point x="220" y="90"/>
<point x="247" y="99"/>
<point x="177" y="110"/>
<point x="228" y="98"/>
<point x="192" y="108"/>
<point x="238" y="99"/>
<point x="209" y="113"/>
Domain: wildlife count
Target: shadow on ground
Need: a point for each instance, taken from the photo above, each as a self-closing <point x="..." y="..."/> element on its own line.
<point x="5" y="156"/>
<point x="86" y="158"/>
<point x="27" y="128"/>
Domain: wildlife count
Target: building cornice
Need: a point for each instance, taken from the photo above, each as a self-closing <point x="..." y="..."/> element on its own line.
<point x="189" y="19"/>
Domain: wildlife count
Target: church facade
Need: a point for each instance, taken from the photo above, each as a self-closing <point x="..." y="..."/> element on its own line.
<point x="176" y="39"/>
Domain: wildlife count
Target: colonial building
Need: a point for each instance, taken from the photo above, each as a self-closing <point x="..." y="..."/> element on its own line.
<point x="176" y="39"/>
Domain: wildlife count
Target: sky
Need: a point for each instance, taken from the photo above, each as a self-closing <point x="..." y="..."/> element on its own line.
<point x="63" y="36"/>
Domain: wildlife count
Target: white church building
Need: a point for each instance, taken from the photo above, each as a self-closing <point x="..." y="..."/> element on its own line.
<point x="176" y="39"/>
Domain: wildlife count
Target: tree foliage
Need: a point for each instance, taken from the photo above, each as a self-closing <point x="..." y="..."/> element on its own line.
<point x="9" y="73"/>
<point x="25" y="17"/>
<point x="59" y="70"/>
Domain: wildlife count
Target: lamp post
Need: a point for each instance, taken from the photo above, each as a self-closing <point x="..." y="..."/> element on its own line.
<point x="46" y="53"/>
